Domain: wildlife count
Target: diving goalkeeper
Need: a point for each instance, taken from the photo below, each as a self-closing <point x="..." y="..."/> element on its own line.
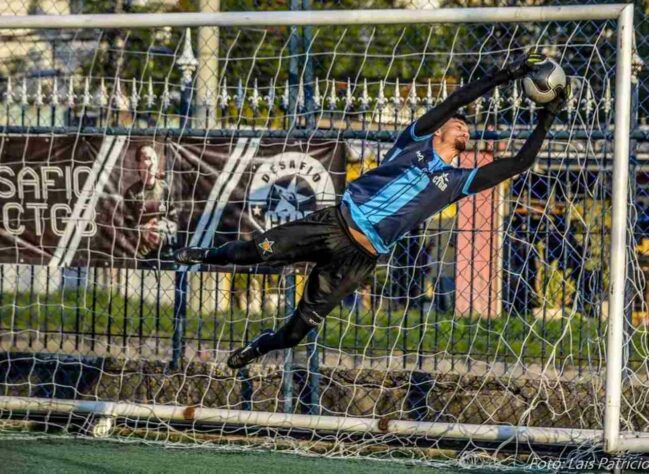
<point x="415" y="180"/>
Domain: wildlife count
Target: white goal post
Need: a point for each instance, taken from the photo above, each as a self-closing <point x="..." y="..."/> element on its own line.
<point x="611" y="437"/>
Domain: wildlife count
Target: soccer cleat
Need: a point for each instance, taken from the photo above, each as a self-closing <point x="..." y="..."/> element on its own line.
<point x="190" y="255"/>
<point x="244" y="355"/>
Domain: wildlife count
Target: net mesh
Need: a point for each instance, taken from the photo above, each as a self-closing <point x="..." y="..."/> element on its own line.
<point x="492" y="313"/>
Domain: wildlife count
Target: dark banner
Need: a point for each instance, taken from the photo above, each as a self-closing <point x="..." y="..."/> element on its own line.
<point x="118" y="201"/>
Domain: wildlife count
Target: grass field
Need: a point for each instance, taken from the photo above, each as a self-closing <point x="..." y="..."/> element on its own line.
<point x="53" y="456"/>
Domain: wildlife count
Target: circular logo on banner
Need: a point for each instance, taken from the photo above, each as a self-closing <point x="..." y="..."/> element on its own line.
<point x="287" y="187"/>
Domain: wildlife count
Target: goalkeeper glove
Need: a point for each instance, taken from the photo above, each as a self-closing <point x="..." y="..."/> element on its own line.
<point x="550" y="111"/>
<point x="523" y="65"/>
<point x="559" y="102"/>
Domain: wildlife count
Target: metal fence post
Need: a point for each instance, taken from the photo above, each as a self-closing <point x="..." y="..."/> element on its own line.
<point x="312" y="337"/>
<point x="290" y="278"/>
<point x="288" y="357"/>
<point x="314" y="372"/>
<point x="307" y="39"/>
<point x="180" y="317"/>
<point x="187" y="64"/>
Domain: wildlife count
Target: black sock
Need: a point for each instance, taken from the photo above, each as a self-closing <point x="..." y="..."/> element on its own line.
<point x="287" y="336"/>
<point x="242" y="252"/>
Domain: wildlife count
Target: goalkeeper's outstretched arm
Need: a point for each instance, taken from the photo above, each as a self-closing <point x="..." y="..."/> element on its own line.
<point x="436" y="117"/>
<point x="490" y="175"/>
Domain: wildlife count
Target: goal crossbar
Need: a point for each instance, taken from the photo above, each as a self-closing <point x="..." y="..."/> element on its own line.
<point x="321" y="17"/>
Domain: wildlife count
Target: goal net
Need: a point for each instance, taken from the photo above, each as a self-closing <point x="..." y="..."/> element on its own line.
<point x="485" y="331"/>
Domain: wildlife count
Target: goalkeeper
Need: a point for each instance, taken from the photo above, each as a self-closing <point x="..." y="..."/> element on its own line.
<point x="415" y="180"/>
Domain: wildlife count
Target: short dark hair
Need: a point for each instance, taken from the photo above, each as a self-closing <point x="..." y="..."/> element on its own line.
<point x="460" y="117"/>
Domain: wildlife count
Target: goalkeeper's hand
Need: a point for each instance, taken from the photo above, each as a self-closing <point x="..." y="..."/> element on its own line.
<point x="550" y="110"/>
<point x="559" y="102"/>
<point x="523" y="65"/>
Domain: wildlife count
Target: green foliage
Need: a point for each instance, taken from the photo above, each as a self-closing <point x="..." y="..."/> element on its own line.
<point x="554" y="287"/>
<point x="590" y="221"/>
<point x="140" y="53"/>
<point x="377" y="52"/>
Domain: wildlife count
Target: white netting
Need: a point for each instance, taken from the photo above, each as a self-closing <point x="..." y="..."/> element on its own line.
<point x="493" y="313"/>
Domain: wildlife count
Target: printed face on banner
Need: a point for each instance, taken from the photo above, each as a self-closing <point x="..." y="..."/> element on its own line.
<point x="149" y="211"/>
<point x="147" y="164"/>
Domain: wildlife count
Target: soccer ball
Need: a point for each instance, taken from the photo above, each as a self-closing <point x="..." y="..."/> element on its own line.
<point x="544" y="83"/>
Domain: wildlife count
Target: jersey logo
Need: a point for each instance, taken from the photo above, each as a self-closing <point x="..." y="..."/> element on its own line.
<point x="420" y="156"/>
<point x="267" y="246"/>
<point x="441" y="181"/>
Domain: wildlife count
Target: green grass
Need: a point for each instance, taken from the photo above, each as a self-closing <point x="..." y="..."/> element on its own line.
<point x="53" y="456"/>
<point x="384" y="332"/>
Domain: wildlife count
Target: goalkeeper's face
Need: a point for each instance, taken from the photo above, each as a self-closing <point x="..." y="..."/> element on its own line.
<point x="455" y="132"/>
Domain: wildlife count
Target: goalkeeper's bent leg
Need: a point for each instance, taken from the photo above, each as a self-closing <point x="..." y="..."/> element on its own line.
<point x="326" y="286"/>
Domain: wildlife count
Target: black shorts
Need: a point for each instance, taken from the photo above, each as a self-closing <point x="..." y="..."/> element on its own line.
<point x="322" y="238"/>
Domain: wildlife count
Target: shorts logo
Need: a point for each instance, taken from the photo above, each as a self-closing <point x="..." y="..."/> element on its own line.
<point x="441" y="181"/>
<point x="287" y="187"/>
<point x="267" y="246"/>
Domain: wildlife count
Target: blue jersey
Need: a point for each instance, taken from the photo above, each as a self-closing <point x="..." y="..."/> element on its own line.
<point x="411" y="184"/>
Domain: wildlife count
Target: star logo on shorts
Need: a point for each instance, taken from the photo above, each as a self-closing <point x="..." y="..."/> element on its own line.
<point x="267" y="246"/>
